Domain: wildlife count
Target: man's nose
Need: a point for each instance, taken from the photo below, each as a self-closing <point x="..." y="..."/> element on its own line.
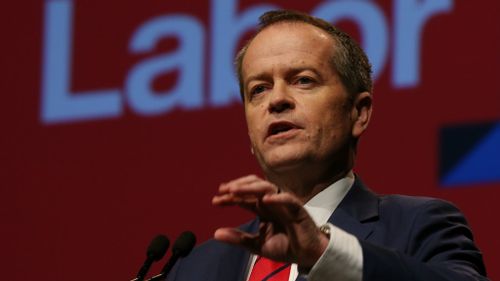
<point x="281" y="99"/>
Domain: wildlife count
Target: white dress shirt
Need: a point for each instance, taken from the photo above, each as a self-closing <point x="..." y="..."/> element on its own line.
<point x="343" y="257"/>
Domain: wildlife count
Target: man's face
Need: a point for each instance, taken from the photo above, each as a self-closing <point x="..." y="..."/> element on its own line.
<point x="296" y="107"/>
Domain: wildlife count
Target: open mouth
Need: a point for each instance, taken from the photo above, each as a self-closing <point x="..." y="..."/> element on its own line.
<point x="279" y="128"/>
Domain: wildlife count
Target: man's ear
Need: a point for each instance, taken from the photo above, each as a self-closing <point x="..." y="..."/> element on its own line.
<point x="361" y="113"/>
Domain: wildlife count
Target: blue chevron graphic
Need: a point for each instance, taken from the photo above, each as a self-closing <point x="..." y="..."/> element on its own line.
<point x="479" y="165"/>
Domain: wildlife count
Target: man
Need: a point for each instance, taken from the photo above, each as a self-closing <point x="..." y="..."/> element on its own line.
<point x="306" y="90"/>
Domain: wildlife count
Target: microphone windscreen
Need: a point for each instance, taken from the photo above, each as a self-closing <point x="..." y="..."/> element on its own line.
<point x="184" y="244"/>
<point x="158" y="247"/>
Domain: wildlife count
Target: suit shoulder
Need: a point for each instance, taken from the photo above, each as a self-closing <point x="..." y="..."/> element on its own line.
<point x="406" y="202"/>
<point x="410" y="209"/>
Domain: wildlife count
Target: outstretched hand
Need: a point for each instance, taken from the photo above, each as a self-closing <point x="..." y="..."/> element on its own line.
<point x="286" y="232"/>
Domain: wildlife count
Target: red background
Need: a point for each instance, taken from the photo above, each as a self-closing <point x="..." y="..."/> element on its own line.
<point x="81" y="200"/>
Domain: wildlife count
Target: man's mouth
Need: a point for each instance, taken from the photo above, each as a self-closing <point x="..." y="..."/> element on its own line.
<point x="281" y="127"/>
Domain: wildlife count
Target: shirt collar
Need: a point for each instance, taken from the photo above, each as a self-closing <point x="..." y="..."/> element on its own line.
<point x="323" y="204"/>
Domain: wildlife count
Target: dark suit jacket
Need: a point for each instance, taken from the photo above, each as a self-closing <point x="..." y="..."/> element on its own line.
<point x="402" y="238"/>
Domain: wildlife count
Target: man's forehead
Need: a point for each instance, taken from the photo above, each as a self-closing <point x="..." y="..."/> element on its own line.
<point x="291" y="28"/>
<point x="280" y="39"/>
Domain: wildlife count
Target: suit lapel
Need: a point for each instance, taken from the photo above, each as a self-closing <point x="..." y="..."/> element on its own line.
<point x="357" y="212"/>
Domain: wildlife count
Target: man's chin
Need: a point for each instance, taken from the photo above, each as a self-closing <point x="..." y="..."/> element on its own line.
<point x="284" y="158"/>
<point x="282" y="164"/>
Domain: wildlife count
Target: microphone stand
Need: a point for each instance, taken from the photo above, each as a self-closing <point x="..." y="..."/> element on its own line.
<point x="158" y="277"/>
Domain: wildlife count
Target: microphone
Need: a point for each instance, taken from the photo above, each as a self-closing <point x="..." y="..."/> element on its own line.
<point x="156" y="250"/>
<point x="181" y="248"/>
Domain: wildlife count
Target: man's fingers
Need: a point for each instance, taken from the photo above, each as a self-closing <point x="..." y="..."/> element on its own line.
<point x="225" y="187"/>
<point x="283" y="198"/>
<point x="249" y="185"/>
<point x="285" y="226"/>
<point x="228" y="235"/>
<point x="244" y="192"/>
<point x="224" y="200"/>
<point x="282" y="207"/>
<point x="238" y="237"/>
<point x="231" y="200"/>
<point x="257" y="188"/>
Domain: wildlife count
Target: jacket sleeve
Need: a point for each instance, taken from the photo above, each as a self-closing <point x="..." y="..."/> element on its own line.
<point x="440" y="247"/>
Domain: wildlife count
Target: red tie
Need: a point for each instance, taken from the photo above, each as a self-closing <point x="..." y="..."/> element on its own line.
<point x="265" y="269"/>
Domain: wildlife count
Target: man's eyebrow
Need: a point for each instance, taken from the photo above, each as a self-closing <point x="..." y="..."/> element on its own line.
<point x="296" y="70"/>
<point x="258" y="76"/>
<point x="290" y="72"/>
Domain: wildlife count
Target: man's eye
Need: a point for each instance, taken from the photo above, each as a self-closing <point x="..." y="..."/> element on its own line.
<point x="304" y="80"/>
<point x="258" y="89"/>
